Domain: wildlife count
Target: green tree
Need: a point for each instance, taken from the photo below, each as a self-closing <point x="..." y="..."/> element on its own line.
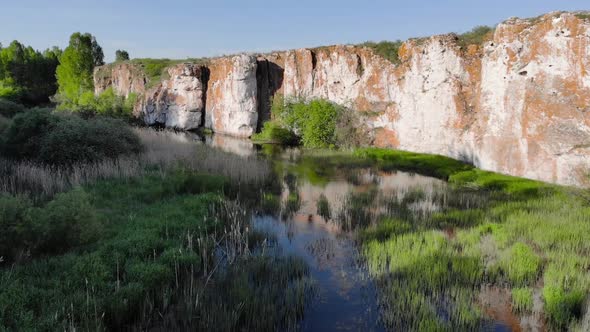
<point x="27" y="75"/>
<point x="74" y="74"/>
<point x="121" y="55"/>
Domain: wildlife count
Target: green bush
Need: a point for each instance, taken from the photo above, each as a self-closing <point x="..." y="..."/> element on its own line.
<point x="272" y="132"/>
<point x="95" y="139"/>
<point x="387" y="49"/>
<point x="9" y="108"/>
<point x="107" y="103"/>
<point x="67" y="221"/>
<point x="15" y="223"/>
<point x="40" y="135"/>
<point x="24" y="136"/>
<point x="315" y="121"/>
<point x="4" y="124"/>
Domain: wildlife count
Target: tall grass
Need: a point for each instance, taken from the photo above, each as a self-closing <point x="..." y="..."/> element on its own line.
<point x="174" y="254"/>
<point x="431" y="250"/>
<point x="164" y="150"/>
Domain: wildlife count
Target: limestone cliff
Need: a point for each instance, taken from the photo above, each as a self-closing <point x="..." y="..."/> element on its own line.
<point x="176" y="102"/>
<point x="232" y="96"/>
<point x="518" y="104"/>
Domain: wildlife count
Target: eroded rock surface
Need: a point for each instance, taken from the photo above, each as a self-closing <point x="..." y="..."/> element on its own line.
<point x="177" y="102"/>
<point x="519" y="104"/>
<point x="124" y="78"/>
<point x="232" y="106"/>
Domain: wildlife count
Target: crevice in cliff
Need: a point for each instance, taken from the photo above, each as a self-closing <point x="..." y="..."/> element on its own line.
<point x="314" y="65"/>
<point x="205" y="74"/>
<point x="269" y="80"/>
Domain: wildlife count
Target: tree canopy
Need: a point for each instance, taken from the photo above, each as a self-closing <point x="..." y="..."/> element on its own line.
<point x="74" y="74"/>
<point x="121" y="55"/>
<point x="27" y="75"/>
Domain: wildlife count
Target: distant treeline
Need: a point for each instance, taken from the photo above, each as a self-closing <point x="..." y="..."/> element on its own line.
<point x="26" y="75"/>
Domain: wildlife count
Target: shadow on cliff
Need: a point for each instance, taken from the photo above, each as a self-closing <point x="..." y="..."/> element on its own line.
<point x="269" y="79"/>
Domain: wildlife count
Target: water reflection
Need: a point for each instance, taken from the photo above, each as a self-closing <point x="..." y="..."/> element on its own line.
<point x="318" y="216"/>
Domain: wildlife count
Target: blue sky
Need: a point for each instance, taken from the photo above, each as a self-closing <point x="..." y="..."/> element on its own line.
<point x="183" y="28"/>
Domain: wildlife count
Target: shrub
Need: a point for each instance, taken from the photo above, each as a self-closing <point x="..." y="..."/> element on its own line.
<point x="314" y="120"/>
<point x="96" y="139"/>
<point x="66" y="222"/>
<point x="24" y="136"/>
<point x="9" y="108"/>
<point x="272" y="132"/>
<point x="39" y="135"/>
<point x="15" y="223"/>
<point x="4" y="124"/>
<point x="387" y="49"/>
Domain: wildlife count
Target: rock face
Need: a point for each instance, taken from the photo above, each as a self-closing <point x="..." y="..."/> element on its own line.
<point x="519" y="104"/>
<point x="124" y="78"/>
<point x="177" y="102"/>
<point x="232" y="96"/>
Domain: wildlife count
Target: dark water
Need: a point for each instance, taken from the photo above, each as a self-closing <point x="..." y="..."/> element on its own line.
<point x="346" y="298"/>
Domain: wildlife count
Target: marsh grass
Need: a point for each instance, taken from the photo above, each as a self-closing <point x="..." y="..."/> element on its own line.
<point x="522" y="299"/>
<point x="175" y="253"/>
<point x="164" y="150"/>
<point x="431" y="249"/>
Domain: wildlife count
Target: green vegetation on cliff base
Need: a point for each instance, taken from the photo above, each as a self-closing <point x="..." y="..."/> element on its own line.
<point x="516" y="233"/>
<point x="316" y="123"/>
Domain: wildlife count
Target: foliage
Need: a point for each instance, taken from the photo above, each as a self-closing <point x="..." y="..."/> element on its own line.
<point x="315" y="121"/>
<point x="27" y="75"/>
<point x="39" y="135"/>
<point x="155" y="251"/>
<point x="23" y="139"/>
<point x="4" y="124"/>
<point x="9" y="108"/>
<point x="274" y="133"/>
<point x="121" y="55"/>
<point x="107" y="103"/>
<point x="476" y="36"/>
<point x="387" y="49"/>
<point x="66" y="222"/>
<point x="75" y="71"/>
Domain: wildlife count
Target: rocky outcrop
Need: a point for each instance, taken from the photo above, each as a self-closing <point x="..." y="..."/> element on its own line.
<point x="518" y="104"/>
<point x="232" y="96"/>
<point x="124" y="78"/>
<point x="177" y="102"/>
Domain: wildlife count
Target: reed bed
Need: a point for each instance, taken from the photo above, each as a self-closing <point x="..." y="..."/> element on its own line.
<point x="164" y="150"/>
